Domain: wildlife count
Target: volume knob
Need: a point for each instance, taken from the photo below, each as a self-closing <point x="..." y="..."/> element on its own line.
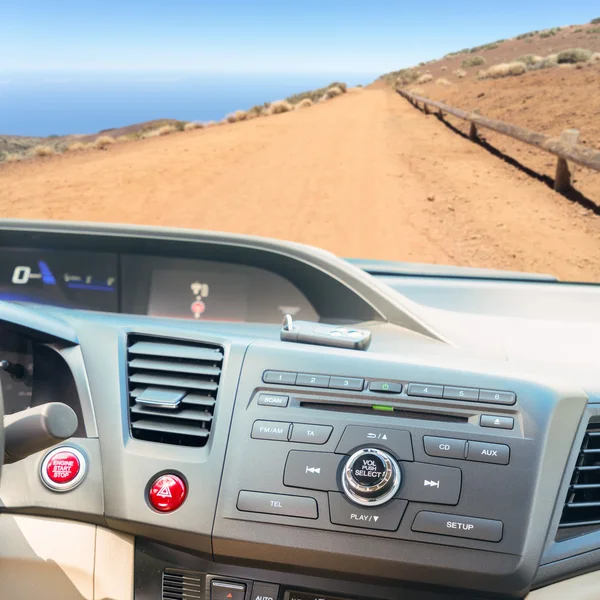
<point x="371" y="477"/>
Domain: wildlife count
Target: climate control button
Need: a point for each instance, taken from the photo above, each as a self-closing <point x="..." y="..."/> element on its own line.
<point x="371" y="477"/>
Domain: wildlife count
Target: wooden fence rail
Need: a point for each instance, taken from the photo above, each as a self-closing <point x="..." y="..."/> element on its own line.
<point x="564" y="147"/>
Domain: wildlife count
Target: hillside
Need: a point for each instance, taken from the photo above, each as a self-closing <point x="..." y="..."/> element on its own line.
<point x="364" y="175"/>
<point x="546" y="100"/>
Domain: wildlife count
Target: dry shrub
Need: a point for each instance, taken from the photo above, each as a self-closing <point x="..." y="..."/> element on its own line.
<point x="334" y="91"/>
<point x="426" y="78"/>
<point x="473" y="61"/>
<point x="306" y="103"/>
<point x="103" y="142"/>
<point x="460" y="73"/>
<point x="13" y="157"/>
<point x="574" y="55"/>
<point x="238" y="115"/>
<point x="443" y="81"/>
<point x="444" y="68"/>
<point x="323" y="98"/>
<point x="279" y="106"/>
<point x="210" y="124"/>
<point x="549" y="62"/>
<point x="529" y="59"/>
<point x="255" y="112"/>
<point x="43" y="151"/>
<point x="595" y="57"/>
<point x="512" y="69"/>
<point x="406" y="77"/>
<point x="192" y="125"/>
<point x="76" y="147"/>
<point x="166" y="130"/>
<point x="417" y="91"/>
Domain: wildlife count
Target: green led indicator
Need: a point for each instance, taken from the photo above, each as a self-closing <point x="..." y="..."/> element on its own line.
<point x="385" y="387"/>
<point x="378" y="407"/>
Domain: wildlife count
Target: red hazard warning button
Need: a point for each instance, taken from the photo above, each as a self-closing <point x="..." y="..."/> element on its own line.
<point x="167" y="493"/>
<point x="63" y="469"/>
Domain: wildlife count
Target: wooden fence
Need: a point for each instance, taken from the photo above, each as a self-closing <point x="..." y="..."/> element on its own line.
<point x="565" y="147"/>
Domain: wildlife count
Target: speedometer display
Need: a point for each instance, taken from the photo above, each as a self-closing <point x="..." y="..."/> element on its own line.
<point x="79" y="280"/>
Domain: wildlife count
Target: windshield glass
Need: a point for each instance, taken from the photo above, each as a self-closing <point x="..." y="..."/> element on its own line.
<point x="460" y="134"/>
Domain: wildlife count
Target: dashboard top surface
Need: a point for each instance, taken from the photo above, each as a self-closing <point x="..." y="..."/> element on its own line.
<point x="448" y="346"/>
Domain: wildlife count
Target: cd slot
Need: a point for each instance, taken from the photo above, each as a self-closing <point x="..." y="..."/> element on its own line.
<point x="391" y="412"/>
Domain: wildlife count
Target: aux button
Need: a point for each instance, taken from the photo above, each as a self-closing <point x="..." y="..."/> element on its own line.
<point x="371" y="477"/>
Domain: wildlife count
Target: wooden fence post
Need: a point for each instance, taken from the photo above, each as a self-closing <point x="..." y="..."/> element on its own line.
<point x="473" y="129"/>
<point x="562" y="179"/>
<point x="425" y="109"/>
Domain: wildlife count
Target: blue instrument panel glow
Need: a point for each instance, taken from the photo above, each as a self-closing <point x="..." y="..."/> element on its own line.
<point x="85" y="280"/>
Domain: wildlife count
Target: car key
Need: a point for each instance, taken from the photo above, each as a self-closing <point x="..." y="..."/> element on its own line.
<point x="322" y="334"/>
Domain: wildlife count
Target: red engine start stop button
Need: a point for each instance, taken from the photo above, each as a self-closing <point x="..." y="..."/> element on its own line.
<point x="167" y="493"/>
<point x="63" y="469"/>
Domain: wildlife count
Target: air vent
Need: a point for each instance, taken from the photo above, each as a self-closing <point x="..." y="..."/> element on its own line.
<point x="582" y="506"/>
<point x="181" y="585"/>
<point x="172" y="389"/>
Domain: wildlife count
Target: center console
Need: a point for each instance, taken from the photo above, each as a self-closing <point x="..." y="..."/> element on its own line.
<point x="365" y="467"/>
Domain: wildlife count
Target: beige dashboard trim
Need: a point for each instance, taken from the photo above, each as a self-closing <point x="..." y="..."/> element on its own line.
<point x="54" y="559"/>
<point x="584" y="587"/>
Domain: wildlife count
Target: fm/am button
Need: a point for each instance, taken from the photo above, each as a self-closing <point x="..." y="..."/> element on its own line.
<point x="271" y="430"/>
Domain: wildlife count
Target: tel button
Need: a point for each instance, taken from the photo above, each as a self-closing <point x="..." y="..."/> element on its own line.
<point x="491" y="453"/>
<point x="446" y="447"/>
<point x="278" y="504"/>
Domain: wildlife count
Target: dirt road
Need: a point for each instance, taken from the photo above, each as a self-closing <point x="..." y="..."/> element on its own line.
<point x="363" y="175"/>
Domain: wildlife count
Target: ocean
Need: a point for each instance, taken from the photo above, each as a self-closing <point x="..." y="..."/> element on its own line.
<point x="60" y="103"/>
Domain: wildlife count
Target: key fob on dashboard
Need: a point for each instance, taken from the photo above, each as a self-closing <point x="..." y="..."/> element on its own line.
<point x="322" y="334"/>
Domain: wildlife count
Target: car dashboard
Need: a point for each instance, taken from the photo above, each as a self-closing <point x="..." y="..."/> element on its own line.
<point x="445" y="460"/>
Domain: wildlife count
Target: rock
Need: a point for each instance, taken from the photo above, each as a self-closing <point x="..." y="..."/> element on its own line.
<point x="431" y="198"/>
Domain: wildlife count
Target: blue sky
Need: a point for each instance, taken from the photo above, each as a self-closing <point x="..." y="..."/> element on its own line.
<point x="367" y="36"/>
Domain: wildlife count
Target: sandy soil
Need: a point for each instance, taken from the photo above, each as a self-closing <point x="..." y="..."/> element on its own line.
<point x="363" y="175"/>
<point x="547" y="101"/>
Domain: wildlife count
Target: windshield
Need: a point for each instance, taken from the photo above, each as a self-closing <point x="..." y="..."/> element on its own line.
<point x="458" y="134"/>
